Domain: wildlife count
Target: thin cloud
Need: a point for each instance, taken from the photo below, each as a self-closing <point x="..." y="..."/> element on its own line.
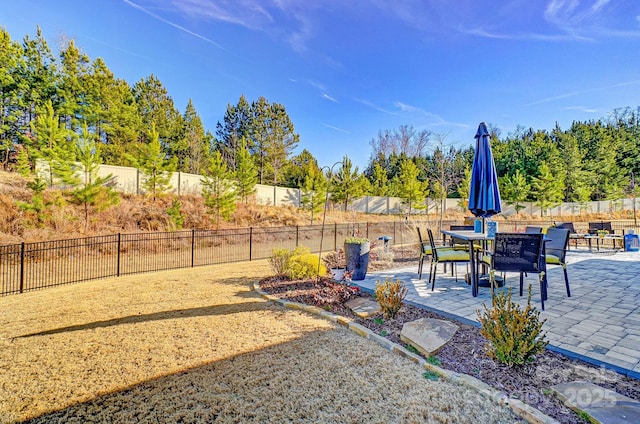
<point x="336" y="128"/>
<point x="581" y="109"/>
<point x="375" y="107"/>
<point x="328" y="97"/>
<point x="181" y="28"/>
<point x="426" y="117"/>
<point x="247" y="13"/>
<point x="95" y="40"/>
<point x="577" y="93"/>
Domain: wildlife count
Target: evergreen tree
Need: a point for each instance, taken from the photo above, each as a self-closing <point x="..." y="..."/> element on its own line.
<point x="295" y="171"/>
<point x="314" y="191"/>
<point x="412" y="191"/>
<point x="237" y="123"/>
<point x="156" y="107"/>
<point x="217" y="190"/>
<point x="92" y="190"/>
<point x="74" y="107"/>
<point x="347" y="185"/>
<point x="246" y="173"/>
<point x="464" y="189"/>
<point x="546" y="188"/>
<point x="11" y="105"/>
<point x="38" y="206"/>
<point x="379" y="181"/>
<point x="196" y="142"/>
<point x="47" y="139"/>
<point x="155" y="166"/>
<point x="38" y="78"/>
<point x="515" y="189"/>
<point x="273" y="138"/>
<point x="112" y="114"/>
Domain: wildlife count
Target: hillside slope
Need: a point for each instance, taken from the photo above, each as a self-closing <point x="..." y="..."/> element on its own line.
<point x="137" y="213"/>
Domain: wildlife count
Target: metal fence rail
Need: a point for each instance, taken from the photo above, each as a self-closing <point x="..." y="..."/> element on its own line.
<point x="32" y="266"/>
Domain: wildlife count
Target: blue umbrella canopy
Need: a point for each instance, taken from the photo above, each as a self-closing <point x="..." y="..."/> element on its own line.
<point x="484" y="194"/>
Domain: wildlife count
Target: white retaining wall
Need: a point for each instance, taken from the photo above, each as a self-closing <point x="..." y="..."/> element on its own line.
<point x="129" y="180"/>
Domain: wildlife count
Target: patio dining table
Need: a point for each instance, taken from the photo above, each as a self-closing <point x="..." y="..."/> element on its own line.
<point x="471" y="237"/>
<point x="614" y="239"/>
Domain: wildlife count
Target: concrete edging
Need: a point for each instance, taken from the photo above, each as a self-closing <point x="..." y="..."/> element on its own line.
<point x="532" y="415"/>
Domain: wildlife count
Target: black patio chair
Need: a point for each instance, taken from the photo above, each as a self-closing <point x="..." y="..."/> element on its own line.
<point x="556" y="242"/>
<point x="594" y="227"/>
<point x="522" y="253"/>
<point x="532" y="230"/>
<point x="572" y="230"/>
<point x="444" y="256"/>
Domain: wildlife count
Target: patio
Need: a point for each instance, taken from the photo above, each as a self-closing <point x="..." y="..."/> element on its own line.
<point x="599" y="323"/>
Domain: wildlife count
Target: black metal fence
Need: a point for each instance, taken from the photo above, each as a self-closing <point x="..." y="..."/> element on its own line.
<point x="31" y="266"/>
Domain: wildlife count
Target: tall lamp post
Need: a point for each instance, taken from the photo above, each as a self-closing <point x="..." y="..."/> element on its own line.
<point x="324" y="215"/>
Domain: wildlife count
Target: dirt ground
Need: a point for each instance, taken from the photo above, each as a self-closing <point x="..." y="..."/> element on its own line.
<point x="197" y="345"/>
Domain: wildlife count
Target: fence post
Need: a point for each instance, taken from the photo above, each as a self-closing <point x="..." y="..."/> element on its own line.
<point x="193" y="245"/>
<point x="250" y="242"/>
<point x="118" y="255"/>
<point x="22" y="268"/>
<point x="297" y="234"/>
<point x="335" y="236"/>
<point x="394" y="233"/>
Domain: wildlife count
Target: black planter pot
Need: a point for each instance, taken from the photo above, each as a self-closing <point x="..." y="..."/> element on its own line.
<point x="357" y="256"/>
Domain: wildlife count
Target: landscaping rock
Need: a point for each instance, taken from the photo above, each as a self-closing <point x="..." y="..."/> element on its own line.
<point x="363" y="307"/>
<point x="604" y="405"/>
<point x="428" y="335"/>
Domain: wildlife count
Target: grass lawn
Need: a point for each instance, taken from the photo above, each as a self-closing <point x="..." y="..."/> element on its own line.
<point x="197" y="345"/>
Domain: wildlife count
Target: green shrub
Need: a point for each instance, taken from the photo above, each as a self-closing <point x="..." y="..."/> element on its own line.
<point x="389" y="296"/>
<point x="279" y="259"/>
<point x="296" y="264"/>
<point x="306" y="265"/>
<point x="174" y="212"/>
<point x="356" y="240"/>
<point x="514" y="335"/>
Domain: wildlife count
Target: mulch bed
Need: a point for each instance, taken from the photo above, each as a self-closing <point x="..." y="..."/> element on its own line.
<point x="465" y="353"/>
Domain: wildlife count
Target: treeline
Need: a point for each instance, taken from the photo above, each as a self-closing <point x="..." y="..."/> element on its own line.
<point x="65" y="106"/>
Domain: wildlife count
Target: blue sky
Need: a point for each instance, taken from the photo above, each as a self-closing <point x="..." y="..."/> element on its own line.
<point x="346" y="69"/>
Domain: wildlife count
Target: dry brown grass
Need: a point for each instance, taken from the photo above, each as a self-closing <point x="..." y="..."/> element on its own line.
<point x="198" y="345"/>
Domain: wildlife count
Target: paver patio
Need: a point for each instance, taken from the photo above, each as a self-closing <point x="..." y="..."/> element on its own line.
<point x="600" y="322"/>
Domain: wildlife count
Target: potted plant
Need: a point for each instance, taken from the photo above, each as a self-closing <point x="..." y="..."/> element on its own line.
<point x="336" y="264"/>
<point x="356" y="250"/>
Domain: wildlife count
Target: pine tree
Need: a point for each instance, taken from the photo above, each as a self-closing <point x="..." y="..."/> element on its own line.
<point x="246" y="173"/>
<point x="412" y="191"/>
<point x="379" y="181"/>
<point x="10" y="99"/>
<point x="91" y="189"/>
<point x="48" y="138"/>
<point x="464" y="189"/>
<point x="218" y="191"/>
<point x="314" y="191"/>
<point x="515" y="190"/>
<point x="155" y="166"/>
<point x="347" y="185"/>
<point x="547" y="189"/>
<point x="38" y="206"/>
<point x="237" y="121"/>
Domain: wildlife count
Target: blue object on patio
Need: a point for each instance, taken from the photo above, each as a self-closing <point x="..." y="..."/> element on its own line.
<point x="484" y="194"/>
<point x="631" y="243"/>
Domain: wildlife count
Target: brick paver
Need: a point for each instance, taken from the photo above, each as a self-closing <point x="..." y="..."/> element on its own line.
<point x="600" y="321"/>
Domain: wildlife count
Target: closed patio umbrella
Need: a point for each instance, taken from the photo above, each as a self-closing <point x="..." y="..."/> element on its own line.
<point x="484" y="194"/>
